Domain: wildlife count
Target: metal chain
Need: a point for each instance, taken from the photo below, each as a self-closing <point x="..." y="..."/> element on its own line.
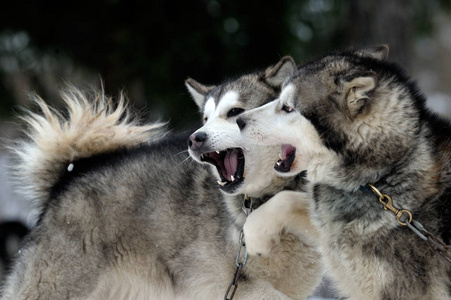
<point x="230" y="293"/>
<point x="434" y="242"/>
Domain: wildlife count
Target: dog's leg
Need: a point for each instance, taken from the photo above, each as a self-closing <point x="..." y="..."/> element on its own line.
<point x="54" y="266"/>
<point x="258" y="289"/>
<point x="286" y="211"/>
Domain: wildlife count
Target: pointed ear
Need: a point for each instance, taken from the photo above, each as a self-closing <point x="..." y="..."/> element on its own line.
<point x="198" y="91"/>
<point x="378" y="52"/>
<point x="357" y="90"/>
<point x="275" y="75"/>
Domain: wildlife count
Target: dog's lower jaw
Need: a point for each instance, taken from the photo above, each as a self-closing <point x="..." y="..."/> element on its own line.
<point x="195" y="155"/>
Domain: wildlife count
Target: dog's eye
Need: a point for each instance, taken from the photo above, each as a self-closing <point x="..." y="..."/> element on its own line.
<point x="287" y="108"/>
<point x="205" y="119"/>
<point x="234" y="112"/>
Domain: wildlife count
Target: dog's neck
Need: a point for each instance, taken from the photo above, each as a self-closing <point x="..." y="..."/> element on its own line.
<point x="413" y="179"/>
<point x="341" y="173"/>
<point x="235" y="203"/>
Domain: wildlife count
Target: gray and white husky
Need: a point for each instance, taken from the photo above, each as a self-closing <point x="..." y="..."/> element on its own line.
<point x="351" y="119"/>
<point x="124" y="213"/>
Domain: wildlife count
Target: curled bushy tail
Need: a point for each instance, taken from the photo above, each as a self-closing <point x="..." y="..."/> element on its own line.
<point x="92" y="125"/>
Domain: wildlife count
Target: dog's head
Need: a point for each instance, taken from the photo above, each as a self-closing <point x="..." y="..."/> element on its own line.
<point x="343" y="111"/>
<point x="240" y="167"/>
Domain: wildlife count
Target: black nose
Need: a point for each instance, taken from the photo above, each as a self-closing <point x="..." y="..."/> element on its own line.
<point x="197" y="139"/>
<point x="240" y="123"/>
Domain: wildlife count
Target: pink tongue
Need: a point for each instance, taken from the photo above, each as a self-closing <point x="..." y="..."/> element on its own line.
<point x="230" y="163"/>
<point x="287" y="150"/>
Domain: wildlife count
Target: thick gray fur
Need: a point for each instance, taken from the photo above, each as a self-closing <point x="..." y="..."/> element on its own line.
<point x="359" y="119"/>
<point x="144" y="221"/>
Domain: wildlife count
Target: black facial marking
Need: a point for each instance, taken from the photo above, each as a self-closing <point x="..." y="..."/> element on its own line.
<point x="234" y="112"/>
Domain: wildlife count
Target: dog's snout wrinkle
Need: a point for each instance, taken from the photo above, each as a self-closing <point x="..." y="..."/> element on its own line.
<point x="241" y="124"/>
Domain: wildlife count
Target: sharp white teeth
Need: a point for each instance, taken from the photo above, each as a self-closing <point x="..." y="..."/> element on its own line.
<point x="202" y="156"/>
<point x="279" y="163"/>
<point x="217" y="152"/>
<point x="232" y="178"/>
<point x="222" y="183"/>
<point x="280" y="156"/>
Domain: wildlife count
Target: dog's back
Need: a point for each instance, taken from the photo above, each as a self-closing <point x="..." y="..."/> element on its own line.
<point x="93" y="125"/>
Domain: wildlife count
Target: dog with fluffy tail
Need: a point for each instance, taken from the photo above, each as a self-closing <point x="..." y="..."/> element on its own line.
<point x="94" y="125"/>
<point x="43" y="161"/>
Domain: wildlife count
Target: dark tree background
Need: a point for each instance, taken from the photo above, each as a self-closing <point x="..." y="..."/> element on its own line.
<point x="148" y="48"/>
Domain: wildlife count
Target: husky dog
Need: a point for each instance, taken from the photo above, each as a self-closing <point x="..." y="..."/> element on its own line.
<point x="350" y="119"/>
<point x="124" y="213"/>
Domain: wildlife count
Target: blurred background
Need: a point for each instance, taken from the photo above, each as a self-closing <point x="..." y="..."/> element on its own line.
<point x="148" y="49"/>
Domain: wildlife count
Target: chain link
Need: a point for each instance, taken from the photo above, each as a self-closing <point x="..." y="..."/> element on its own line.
<point x="230" y="293"/>
<point x="247" y="205"/>
<point x="434" y="242"/>
<point x="241" y="246"/>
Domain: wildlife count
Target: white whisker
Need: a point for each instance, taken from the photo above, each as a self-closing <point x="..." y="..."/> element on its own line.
<point x="187" y="158"/>
<point x="183" y="151"/>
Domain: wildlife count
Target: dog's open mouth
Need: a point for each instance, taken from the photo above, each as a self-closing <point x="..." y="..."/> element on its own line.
<point x="230" y="166"/>
<point x="283" y="165"/>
